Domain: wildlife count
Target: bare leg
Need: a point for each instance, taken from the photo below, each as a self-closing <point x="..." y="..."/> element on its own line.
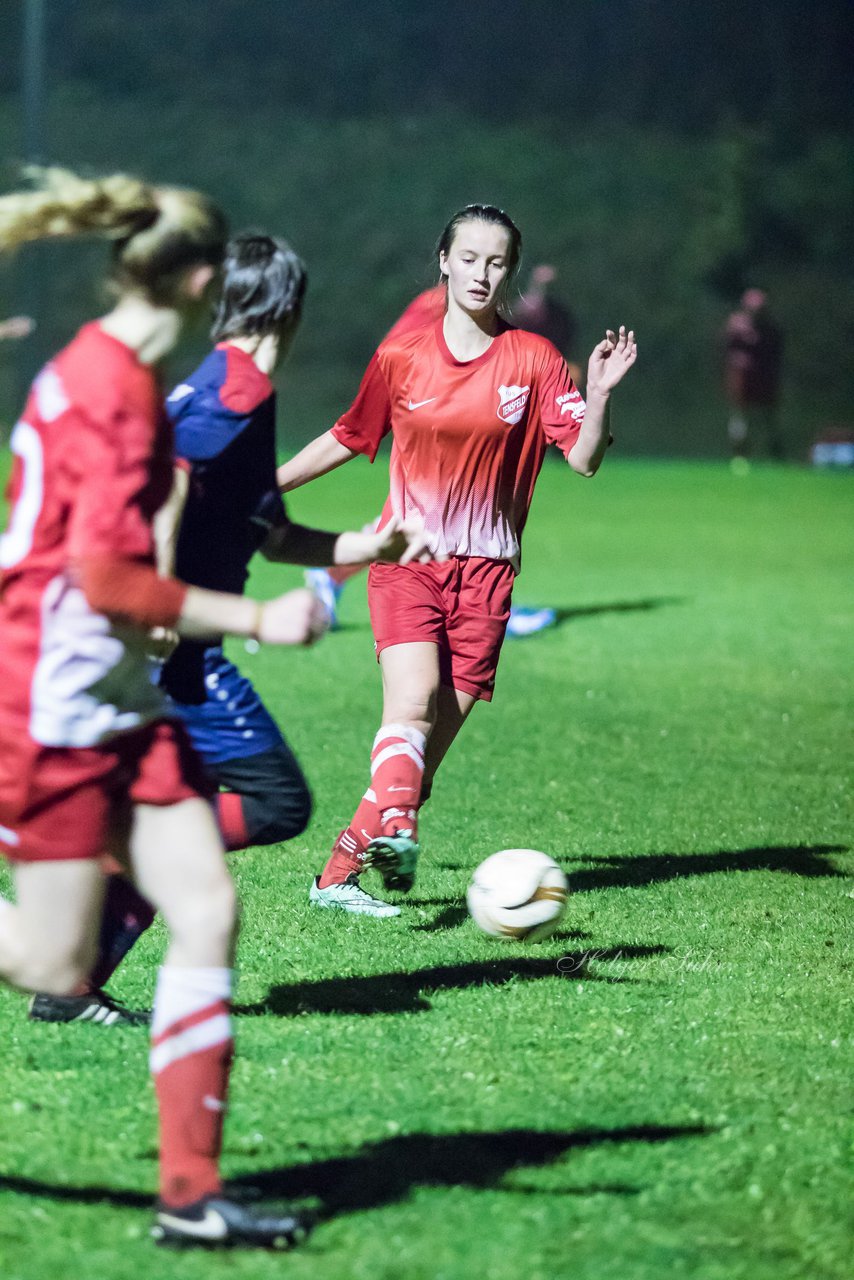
<point x="411" y="685"/>
<point x="178" y="864"/>
<point x="453" y="708"/>
<point x="48" y="937"/>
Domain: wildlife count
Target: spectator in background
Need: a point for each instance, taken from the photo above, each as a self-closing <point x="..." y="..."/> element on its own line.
<point x="753" y="352"/>
<point x="539" y="311"/>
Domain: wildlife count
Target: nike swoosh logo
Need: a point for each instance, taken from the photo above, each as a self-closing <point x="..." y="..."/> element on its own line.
<point x="420" y="403"/>
<point x="401" y="788"/>
<point x="211" y="1227"/>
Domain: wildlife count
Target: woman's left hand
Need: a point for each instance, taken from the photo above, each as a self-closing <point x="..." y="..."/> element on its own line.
<point x="611" y="360"/>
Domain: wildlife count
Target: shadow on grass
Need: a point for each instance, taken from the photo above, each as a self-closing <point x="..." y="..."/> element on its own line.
<point x="381" y="1173"/>
<point x="449" y="918"/>
<point x="633" y="872"/>
<point x="618" y="606"/>
<point x="453" y="917"/>
<point x="408" y="992"/>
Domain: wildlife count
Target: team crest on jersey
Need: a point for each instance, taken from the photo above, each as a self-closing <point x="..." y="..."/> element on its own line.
<point x="512" y="402"/>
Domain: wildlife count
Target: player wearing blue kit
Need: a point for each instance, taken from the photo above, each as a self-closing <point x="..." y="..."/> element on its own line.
<point x="224" y="423"/>
<point x="226" y="506"/>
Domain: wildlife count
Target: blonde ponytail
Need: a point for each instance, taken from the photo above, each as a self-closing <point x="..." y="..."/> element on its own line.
<point x="157" y="232"/>
<point x="63" y="204"/>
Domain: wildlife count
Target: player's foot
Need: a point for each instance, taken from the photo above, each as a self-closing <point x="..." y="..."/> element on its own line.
<point x="215" y="1222"/>
<point x="350" y="896"/>
<point x="327" y="590"/>
<point x="96" y="1006"/>
<point x="527" y="622"/>
<point x="395" y="857"/>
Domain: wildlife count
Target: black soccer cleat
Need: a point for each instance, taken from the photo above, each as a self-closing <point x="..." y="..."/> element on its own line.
<point x="96" y="1006"/>
<point x="215" y="1222"/>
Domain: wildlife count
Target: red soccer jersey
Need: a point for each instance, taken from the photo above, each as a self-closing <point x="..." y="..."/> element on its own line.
<point x="424" y="310"/>
<point x="469" y="436"/>
<point x="93" y="463"/>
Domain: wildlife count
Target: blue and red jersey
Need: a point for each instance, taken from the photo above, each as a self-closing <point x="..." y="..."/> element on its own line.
<point x="224" y="419"/>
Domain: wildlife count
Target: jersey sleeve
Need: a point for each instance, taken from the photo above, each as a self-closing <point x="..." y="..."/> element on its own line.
<point x="204" y="426"/>
<point x="208" y="417"/>
<point x="118" y="485"/>
<point x="561" y="405"/>
<point x="368" y="419"/>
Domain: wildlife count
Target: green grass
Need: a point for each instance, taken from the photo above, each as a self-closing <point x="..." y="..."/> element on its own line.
<point x="662" y="1090"/>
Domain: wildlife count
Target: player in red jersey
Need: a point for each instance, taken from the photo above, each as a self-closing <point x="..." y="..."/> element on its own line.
<point x="472" y="404"/>
<point x="327" y="584"/>
<point x="88" y="759"/>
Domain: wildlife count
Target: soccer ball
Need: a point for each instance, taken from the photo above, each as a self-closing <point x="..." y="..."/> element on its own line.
<point x="518" y="894"/>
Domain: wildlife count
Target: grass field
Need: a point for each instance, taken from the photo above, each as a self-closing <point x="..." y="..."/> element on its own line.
<point x="661" y="1090"/>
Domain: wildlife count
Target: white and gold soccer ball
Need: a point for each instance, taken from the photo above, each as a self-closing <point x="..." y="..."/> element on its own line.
<point x="518" y="894"/>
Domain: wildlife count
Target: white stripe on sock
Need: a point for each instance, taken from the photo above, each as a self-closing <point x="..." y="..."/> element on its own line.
<point x="414" y="737"/>
<point x="182" y="992"/>
<point x="398" y="749"/>
<point x="204" y="1035"/>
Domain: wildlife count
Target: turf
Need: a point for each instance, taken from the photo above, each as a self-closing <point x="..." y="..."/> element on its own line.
<point x="663" y="1089"/>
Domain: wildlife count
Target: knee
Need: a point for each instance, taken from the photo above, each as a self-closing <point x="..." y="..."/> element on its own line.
<point x="208" y="920"/>
<point x="55" y="972"/>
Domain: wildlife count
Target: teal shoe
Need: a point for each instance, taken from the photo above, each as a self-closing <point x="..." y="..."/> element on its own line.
<point x="396" y="858"/>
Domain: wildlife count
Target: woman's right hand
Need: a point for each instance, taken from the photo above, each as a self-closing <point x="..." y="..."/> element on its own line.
<point x="297" y="617"/>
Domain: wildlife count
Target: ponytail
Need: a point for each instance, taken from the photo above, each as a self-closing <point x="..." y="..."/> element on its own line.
<point x="157" y="232"/>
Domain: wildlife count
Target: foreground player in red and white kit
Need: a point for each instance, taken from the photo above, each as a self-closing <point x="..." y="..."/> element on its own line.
<point x="472" y="405"/>
<point x="88" y="760"/>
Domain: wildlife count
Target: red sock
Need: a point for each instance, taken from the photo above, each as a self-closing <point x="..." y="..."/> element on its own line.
<point x="348" y="851"/>
<point x="397" y="767"/>
<point x="228" y="808"/>
<point x="191" y="1052"/>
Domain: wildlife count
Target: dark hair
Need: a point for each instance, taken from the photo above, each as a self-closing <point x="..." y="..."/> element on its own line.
<point x="263" y="287"/>
<point x="484" y="213"/>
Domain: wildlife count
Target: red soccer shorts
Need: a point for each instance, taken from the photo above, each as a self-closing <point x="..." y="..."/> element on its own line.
<point x="461" y="605"/>
<point x="60" y="803"/>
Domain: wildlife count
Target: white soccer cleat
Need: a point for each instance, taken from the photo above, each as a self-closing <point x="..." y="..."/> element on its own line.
<point x="327" y="590"/>
<point x="527" y="622"/>
<point x="351" y="897"/>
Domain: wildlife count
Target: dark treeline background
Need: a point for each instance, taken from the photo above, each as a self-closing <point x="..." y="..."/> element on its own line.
<point x="663" y="155"/>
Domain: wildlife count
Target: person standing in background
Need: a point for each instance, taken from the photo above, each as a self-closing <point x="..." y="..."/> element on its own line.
<point x="753" y="357"/>
<point x="539" y="311"/>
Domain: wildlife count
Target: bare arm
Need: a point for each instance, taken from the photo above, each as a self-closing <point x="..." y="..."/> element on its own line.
<point x="609" y="362"/>
<point x="294" y="618"/>
<point x="167" y="521"/>
<point x="128" y="591"/>
<point x="298" y="544"/>
<point x="323" y="454"/>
